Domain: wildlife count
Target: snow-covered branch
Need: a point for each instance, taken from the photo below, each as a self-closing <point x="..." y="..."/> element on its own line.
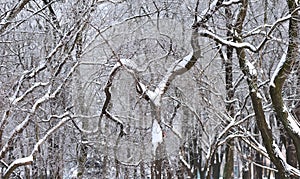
<point x="261" y="149"/>
<point x="35" y="85"/>
<point x="6" y="21"/>
<point x="17" y="163"/>
<point x="281" y="73"/>
<point x="47" y="96"/>
<point x="207" y="33"/>
<point x="293" y="124"/>
<point x="271" y="26"/>
<point x="184" y="162"/>
<point x="29" y="159"/>
<point x="278" y="68"/>
<point x="214" y="6"/>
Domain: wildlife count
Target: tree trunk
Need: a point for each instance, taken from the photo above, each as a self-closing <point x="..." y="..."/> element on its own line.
<point x="258" y="158"/>
<point x="229" y="148"/>
<point x="216" y="166"/>
<point x="228" y="169"/>
<point x="282" y="113"/>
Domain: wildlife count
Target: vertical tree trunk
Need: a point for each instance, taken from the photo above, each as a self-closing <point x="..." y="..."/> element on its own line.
<point x="141" y="134"/>
<point x="258" y="158"/>
<point x="290" y="154"/>
<point x="217" y="166"/>
<point x="158" y="161"/>
<point x="262" y="124"/>
<point x="228" y="169"/>
<point x="117" y="164"/>
<point x="229" y="148"/>
<point x="81" y="109"/>
<point x="246" y="172"/>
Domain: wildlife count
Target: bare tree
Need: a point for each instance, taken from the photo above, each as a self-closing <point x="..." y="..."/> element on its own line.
<point x="160" y="89"/>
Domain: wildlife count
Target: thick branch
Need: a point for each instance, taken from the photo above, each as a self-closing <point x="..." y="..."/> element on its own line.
<point x="107" y="91"/>
<point x="279" y="77"/>
<point x="266" y="132"/>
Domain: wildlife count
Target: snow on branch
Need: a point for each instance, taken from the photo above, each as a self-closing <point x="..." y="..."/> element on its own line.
<point x="178" y="68"/>
<point x="47" y="96"/>
<point x="292" y="123"/>
<point x="147" y="93"/>
<point x="65" y="118"/>
<point x="29" y="159"/>
<point x="251" y="67"/>
<point x="288" y="167"/>
<point x="35" y="85"/>
<point x="17" y="163"/>
<point x="206" y="33"/>
<point x="278" y="68"/>
<point x="230" y="2"/>
<point x="261" y="149"/>
<point x="273" y="26"/>
<point x="173" y="130"/>
<point x="213" y="7"/>
<point x="128" y="63"/>
<point x="4" y="121"/>
<point x="157" y="136"/>
<point x="6" y="21"/>
<point x="181" y="66"/>
<point x="184" y="162"/>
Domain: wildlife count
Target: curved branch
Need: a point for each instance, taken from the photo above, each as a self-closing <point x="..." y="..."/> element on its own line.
<point x="107" y="88"/>
<point x="206" y="33"/>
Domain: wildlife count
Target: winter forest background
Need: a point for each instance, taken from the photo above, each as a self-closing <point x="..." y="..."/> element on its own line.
<point x="149" y="89"/>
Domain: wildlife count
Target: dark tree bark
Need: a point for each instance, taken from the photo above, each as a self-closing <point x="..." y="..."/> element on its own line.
<point x="282" y="113"/>
<point x="256" y="100"/>
<point x="258" y="173"/>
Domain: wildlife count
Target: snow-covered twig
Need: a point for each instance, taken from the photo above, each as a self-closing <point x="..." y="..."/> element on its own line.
<point x="230" y="137"/>
<point x="4" y="121"/>
<point x="33" y="13"/>
<point x="129" y="164"/>
<point x="264" y="167"/>
<point x="6" y="21"/>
